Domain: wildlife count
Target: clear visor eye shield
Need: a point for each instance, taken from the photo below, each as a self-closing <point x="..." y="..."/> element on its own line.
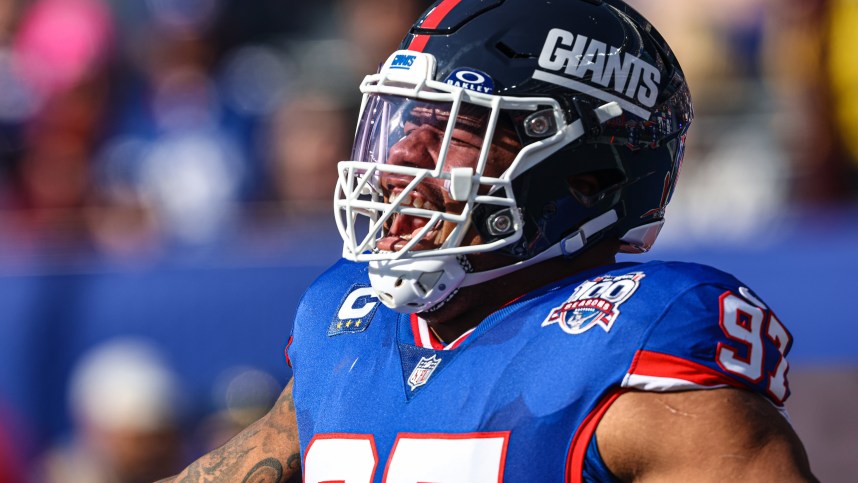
<point x="403" y="100"/>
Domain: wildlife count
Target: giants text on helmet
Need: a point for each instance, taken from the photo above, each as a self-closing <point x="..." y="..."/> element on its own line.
<point x="578" y="56"/>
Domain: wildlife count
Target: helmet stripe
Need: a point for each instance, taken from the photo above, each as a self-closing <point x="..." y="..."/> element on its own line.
<point x="432" y="20"/>
<point x="418" y="43"/>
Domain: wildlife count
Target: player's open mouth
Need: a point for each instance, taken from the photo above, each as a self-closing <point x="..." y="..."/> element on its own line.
<point x="402" y="229"/>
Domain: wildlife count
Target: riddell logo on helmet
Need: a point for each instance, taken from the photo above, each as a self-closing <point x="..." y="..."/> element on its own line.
<point x="577" y="56"/>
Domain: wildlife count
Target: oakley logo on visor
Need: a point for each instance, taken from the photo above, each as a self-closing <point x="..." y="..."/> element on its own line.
<point x="472" y="80"/>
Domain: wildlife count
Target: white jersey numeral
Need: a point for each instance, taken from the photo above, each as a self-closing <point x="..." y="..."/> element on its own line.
<point x="349" y="458"/>
<point x="777" y="379"/>
<point x="451" y="458"/>
<point x="742" y="323"/>
<point x="747" y="324"/>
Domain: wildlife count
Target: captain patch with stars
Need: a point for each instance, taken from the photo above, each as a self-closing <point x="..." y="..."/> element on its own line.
<point x="355" y="312"/>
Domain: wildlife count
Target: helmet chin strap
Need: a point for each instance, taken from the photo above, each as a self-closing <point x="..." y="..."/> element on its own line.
<point x="565" y="247"/>
<point x="422" y="284"/>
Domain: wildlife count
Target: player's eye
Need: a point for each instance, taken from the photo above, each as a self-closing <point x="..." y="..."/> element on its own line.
<point x="464" y="142"/>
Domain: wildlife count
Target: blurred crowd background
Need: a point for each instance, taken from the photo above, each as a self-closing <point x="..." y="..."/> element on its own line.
<point x="166" y="175"/>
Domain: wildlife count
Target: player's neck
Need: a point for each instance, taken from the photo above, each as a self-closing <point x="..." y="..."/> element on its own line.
<point x="473" y="304"/>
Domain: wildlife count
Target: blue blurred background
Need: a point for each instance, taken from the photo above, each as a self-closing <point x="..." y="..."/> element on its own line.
<point x="166" y="174"/>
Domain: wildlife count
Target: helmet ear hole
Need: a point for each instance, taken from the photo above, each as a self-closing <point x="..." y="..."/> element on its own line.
<point x="590" y="188"/>
<point x="584" y="184"/>
<point x="584" y="188"/>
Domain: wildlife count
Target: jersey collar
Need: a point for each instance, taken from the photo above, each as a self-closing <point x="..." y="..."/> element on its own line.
<point x="426" y="338"/>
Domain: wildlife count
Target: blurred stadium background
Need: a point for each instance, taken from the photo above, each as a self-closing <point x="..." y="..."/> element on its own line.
<point x="166" y="169"/>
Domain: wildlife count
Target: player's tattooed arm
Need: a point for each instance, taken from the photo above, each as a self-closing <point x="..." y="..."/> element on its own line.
<point x="267" y="451"/>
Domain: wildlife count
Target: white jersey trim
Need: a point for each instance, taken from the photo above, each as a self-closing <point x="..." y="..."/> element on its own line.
<point x="670" y="384"/>
<point x="662" y="384"/>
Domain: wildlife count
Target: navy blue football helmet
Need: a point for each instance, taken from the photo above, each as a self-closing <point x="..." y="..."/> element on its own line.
<point x="570" y="87"/>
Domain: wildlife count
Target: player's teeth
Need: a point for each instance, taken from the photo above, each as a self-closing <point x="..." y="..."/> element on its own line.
<point x="418" y="203"/>
<point x="407" y="200"/>
<point x="428" y="233"/>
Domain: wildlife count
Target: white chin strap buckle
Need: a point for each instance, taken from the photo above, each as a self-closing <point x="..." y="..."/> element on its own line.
<point x="415" y="285"/>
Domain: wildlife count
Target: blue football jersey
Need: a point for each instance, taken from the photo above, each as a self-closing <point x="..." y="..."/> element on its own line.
<point x="519" y="398"/>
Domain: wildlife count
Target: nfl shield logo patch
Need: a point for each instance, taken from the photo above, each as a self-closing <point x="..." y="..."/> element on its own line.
<point x="423" y="371"/>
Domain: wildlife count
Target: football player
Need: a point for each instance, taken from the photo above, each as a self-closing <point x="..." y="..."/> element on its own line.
<point x="479" y="327"/>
